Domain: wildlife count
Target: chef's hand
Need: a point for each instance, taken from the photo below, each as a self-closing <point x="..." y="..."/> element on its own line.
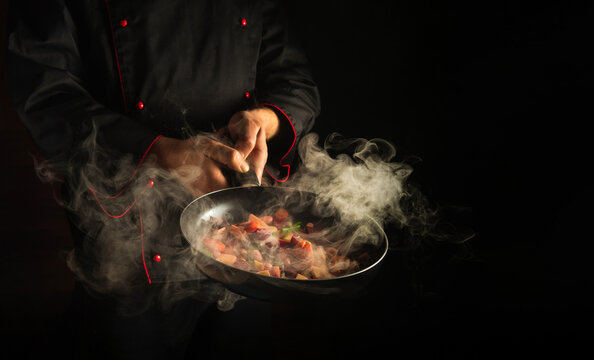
<point x="249" y="130"/>
<point x="197" y="162"/>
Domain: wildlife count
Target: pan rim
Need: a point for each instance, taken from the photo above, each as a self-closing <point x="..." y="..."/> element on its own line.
<point x="266" y="277"/>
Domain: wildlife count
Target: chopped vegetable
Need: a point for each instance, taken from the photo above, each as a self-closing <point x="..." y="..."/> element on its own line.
<point x="275" y="271"/>
<point x="251" y="226"/>
<point x="275" y="246"/>
<point x="263" y="272"/>
<point x="262" y="223"/>
<point x="291" y="228"/>
<point x="258" y="265"/>
<point x="227" y="259"/>
<point x="242" y="264"/>
<point x="215" y="246"/>
<point x="317" y="272"/>
<point x="255" y="254"/>
<point x="280" y="216"/>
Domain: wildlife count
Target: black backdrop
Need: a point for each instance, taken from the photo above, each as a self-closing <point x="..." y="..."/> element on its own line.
<point x="494" y="97"/>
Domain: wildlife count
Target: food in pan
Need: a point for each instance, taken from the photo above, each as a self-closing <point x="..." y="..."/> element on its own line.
<point x="274" y="245"/>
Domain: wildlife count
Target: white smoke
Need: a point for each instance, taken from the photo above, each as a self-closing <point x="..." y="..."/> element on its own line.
<point x="127" y="214"/>
<point x="366" y="183"/>
<point x="111" y="204"/>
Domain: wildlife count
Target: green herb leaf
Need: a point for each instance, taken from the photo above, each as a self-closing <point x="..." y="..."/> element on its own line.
<point x="296" y="226"/>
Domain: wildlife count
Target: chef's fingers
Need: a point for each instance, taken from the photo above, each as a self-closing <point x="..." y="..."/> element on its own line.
<point x="212" y="179"/>
<point x="246" y="136"/>
<point x="259" y="154"/>
<point x="201" y="179"/>
<point x="223" y="154"/>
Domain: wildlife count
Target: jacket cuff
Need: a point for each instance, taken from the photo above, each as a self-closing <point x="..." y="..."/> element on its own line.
<point x="281" y="170"/>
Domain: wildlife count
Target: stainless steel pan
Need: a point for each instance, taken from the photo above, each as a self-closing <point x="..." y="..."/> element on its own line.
<point x="234" y="204"/>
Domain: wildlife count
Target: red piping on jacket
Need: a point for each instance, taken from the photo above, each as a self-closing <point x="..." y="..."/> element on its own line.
<point x="142" y="245"/>
<point x="292" y="144"/>
<point x="133" y="174"/>
<point x="149" y="184"/>
<point x="115" y="50"/>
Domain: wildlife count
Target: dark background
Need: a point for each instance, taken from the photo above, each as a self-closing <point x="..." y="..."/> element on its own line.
<point x="494" y="97"/>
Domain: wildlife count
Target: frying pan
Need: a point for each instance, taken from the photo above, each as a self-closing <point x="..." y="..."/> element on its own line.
<point x="233" y="205"/>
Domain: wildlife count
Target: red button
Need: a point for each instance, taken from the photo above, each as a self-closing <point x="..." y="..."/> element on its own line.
<point x="247" y="95"/>
<point x="139" y="105"/>
<point x="243" y="22"/>
<point x="157" y="258"/>
<point x="124" y="23"/>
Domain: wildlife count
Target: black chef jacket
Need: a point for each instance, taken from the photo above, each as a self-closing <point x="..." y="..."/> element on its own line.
<point x="134" y="70"/>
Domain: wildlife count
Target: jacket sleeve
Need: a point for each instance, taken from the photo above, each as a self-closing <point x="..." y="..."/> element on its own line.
<point x="284" y="82"/>
<point x="45" y="78"/>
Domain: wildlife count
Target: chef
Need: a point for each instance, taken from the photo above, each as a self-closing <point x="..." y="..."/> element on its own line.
<point x="151" y="79"/>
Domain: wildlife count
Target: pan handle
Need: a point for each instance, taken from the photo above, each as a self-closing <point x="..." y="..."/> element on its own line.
<point x="238" y="179"/>
<point x="234" y="178"/>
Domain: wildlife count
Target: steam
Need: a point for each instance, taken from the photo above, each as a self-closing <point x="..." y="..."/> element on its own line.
<point x="361" y="179"/>
<point x="364" y="184"/>
<point x="130" y="213"/>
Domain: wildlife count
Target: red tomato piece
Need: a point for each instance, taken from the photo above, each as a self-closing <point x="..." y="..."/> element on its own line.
<point x="251" y="226"/>
<point x="304" y="245"/>
<point x="262" y="223"/>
